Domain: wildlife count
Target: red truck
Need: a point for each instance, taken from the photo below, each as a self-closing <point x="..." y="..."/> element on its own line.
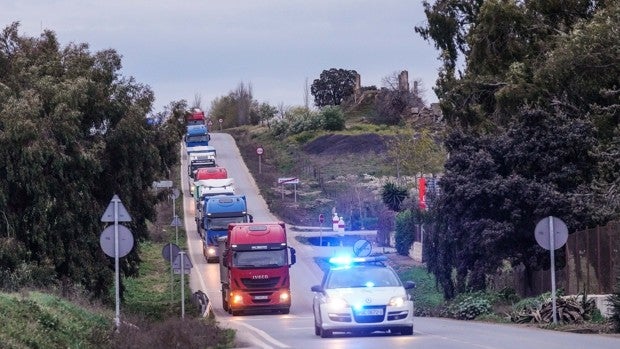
<point x="195" y="117"/>
<point x="254" y="268"/>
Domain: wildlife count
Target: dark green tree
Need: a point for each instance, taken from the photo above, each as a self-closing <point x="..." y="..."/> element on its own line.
<point x="73" y="133"/>
<point x="496" y="188"/>
<point x="534" y="70"/>
<point x="333" y="86"/>
<point x="333" y="119"/>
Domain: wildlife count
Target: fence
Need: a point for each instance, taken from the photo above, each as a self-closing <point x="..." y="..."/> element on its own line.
<point x="591" y="265"/>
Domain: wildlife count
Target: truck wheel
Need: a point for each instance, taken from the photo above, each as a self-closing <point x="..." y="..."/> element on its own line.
<point x="236" y="312"/>
<point x="285" y="311"/>
<point x="225" y="302"/>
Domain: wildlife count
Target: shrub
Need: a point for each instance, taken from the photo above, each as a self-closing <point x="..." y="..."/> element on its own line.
<point x="614" y="302"/>
<point x="332" y="119"/>
<point x="427" y="299"/>
<point x="468" y="306"/>
<point x="174" y="333"/>
<point x="404" y="232"/>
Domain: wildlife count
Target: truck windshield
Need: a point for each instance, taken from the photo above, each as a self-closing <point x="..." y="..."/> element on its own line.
<point x="221" y="223"/>
<point x="259" y="259"/>
<point x="197" y="138"/>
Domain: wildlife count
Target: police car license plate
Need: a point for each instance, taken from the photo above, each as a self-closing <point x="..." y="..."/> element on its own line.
<point x="370" y="312"/>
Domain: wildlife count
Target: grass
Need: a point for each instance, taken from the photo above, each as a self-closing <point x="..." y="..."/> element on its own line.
<point x="428" y="300"/>
<point x="40" y="320"/>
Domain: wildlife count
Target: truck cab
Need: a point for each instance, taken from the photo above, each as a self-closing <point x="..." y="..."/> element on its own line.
<point x="254" y="268"/>
<point x="217" y="213"/>
<point x="197" y="135"/>
<point x="195" y="117"/>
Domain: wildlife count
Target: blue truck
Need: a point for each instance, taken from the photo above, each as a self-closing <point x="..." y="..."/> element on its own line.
<point x="217" y="212"/>
<point x="197" y="135"/>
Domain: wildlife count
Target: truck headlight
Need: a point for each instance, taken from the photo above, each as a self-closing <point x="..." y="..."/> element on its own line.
<point x="397" y="301"/>
<point x="236" y="298"/>
<point x="284" y="296"/>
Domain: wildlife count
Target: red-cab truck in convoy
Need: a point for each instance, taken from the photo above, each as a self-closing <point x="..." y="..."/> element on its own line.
<point x="195" y="117"/>
<point x="254" y="268"/>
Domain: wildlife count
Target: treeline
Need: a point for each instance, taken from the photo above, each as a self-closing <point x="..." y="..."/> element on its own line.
<point x="73" y="132"/>
<point x="533" y="119"/>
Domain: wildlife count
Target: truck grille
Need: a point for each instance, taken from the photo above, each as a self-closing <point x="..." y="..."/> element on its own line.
<point x="260" y="283"/>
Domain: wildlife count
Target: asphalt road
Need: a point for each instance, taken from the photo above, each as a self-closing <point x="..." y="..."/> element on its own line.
<point x="296" y="330"/>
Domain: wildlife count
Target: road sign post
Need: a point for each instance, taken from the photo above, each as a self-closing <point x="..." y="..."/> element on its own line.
<point x="321" y="220"/>
<point x="175" y="194"/>
<point x="116" y="212"/>
<point x="551" y="233"/>
<point x="169" y="252"/>
<point x="288" y="180"/>
<point x="259" y="151"/>
<point x="182" y="265"/>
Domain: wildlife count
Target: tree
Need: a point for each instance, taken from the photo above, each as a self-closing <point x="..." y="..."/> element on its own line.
<point x="242" y="97"/>
<point x="264" y="112"/>
<point x="418" y="152"/>
<point x="224" y="108"/>
<point x="333" y="86"/>
<point x="495" y="189"/>
<point x="393" y="196"/>
<point x="333" y="119"/>
<point x="555" y="72"/>
<point x="74" y="133"/>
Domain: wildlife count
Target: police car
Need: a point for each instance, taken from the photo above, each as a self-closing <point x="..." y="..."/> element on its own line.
<point x="361" y="295"/>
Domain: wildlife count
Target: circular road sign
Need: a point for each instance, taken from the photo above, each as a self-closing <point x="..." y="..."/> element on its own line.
<point x="260" y="150"/>
<point x="170" y="251"/>
<point x="175" y="193"/>
<point x="362" y="248"/>
<point x="560" y="233"/>
<point x="321" y="218"/>
<point x="221" y="120"/>
<point x="125" y="240"/>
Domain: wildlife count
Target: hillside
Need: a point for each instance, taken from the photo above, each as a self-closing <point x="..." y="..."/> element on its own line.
<point x="39" y="320"/>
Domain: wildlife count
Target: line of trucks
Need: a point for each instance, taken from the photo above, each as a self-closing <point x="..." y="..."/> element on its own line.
<point x="254" y="257"/>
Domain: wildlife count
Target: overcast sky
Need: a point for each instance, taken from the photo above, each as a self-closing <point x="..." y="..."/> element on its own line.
<point x="188" y="48"/>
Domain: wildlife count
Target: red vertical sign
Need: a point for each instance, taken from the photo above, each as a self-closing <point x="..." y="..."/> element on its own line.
<point x="422" y="193"/>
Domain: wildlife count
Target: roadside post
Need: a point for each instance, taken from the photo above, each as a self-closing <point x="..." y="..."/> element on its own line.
<point x="321" y="220"/>
<point x="259" y="150"/>
<point x="169" y="252"/>
<point x="115" y="246"/>
<point x="551" y="233"/>
<point x="176" y="223"/>
<point x="288" y="180"/>
<point x="182" y="265"/>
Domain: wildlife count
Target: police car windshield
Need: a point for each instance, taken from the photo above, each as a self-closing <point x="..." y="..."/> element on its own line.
<point x="362" y="276"/>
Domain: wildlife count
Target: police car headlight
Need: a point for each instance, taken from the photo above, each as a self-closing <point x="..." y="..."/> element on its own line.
<point x="337" y="304"/>
<point x="397" y="301"/>
<point x="211" y="251"/>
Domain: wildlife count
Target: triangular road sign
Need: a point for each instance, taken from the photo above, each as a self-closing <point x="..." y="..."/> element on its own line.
<point x="187" y="263"/>
<point x="108" y="215"/>
<point x="176" y="222"/>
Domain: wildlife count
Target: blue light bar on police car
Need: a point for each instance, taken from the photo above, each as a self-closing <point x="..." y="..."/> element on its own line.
<point x="348" y="260"/>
